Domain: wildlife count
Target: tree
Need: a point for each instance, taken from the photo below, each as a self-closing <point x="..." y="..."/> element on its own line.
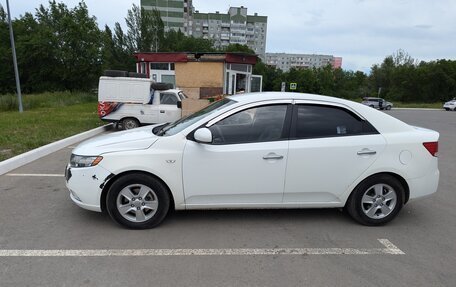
<point x="6" y="60"/>
<point x="145" y="30"/>
<point x="272" y="77"/>
<point x="116" y="55"/>
<point x="238" y="48"/>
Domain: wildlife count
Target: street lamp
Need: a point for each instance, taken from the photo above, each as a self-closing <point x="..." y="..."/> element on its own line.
<point x="13" y="49"/>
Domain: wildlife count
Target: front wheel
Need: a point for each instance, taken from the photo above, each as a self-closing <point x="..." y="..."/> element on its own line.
<point x="138" y="201"/>
<point x="388" y="108"/>
<point x="376" y="200"/>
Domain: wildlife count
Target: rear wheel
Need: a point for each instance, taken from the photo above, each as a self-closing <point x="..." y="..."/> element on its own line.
<point x="130" y="123"/>
<point x="138" y="201"/>
<point x="376" y="200"/>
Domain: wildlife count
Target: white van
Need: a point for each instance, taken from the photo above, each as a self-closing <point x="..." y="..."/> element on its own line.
<point x="131" y="101"/>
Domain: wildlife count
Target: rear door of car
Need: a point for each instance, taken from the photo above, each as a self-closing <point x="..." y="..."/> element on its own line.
<point x="330" y="147"/>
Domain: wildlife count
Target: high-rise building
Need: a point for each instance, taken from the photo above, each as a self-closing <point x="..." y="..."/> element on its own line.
<point x="234" y="27"/>
<point x="176" y="14"/>
<point x="285" y="61"/>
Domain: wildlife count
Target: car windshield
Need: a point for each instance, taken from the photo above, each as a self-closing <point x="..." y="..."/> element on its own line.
<point x="179" y="125"/>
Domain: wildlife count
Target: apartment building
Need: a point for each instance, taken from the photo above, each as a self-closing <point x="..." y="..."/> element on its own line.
<point x="175" y="14"/>
<point x="285" y="61"/>
<point x="233" y="27"/>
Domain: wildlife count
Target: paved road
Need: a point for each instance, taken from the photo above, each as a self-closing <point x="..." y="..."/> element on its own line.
<point x="36" y="214"/>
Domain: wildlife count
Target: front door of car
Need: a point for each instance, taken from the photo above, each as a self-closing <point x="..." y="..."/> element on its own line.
<point x="330" y="147"/>
<point x="168" y="110"/>
<point x="245" y="163"/>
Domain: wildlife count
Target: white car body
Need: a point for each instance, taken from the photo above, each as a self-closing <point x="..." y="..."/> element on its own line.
<point x="150" y="113"/>
<point x="137" y="100"/>
<point x="450" y="105"/>
<point x="313" y="172"/>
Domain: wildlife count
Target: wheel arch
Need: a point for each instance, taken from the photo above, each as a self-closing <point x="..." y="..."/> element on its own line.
<point x="108" y="184"/>
<point x="402" y="181"/>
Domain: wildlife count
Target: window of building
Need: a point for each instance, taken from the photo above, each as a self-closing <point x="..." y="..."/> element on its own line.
<point x="159" y="66"/>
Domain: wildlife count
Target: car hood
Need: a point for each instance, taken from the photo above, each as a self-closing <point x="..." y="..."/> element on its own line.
<point x="135" y="139"/>
<point x="450" y="102"/>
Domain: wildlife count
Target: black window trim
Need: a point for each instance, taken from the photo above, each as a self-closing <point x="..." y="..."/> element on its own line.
<point x="294" y="121"/>
<point x="285" y="130"/>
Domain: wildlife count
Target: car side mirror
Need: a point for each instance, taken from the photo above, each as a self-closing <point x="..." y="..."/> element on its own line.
<point x="179" y="104"/>
<point x="203" y="135"/>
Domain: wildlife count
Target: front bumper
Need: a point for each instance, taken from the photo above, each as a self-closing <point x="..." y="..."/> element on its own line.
<point x="86" y="184"/>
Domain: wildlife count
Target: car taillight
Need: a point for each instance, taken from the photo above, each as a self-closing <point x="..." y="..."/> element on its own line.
<point x="432" y="147"/>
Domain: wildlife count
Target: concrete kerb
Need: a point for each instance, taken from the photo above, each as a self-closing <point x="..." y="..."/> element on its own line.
<point x="418" y="109"/>
<point x="25" y="158"/>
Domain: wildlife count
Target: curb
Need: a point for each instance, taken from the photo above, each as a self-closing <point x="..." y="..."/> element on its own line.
<point x="34" y="154"/>
<point x="418" y="109"/>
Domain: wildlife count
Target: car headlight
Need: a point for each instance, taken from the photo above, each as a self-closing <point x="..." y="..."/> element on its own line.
<point x="84" y="161"/>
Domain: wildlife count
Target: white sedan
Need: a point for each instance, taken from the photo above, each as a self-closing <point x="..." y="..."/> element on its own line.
<point x="450" y="105"/>
<point x="262" y="150"/>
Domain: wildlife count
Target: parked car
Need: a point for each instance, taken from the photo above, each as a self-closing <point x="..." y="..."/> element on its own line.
<point x="131" y="100"/>
<point x="450" y="105"/>
<point x="377" y="103"/>
<point x="260" y="150"/>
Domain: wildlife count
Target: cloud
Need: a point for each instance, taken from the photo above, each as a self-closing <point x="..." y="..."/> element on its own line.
<point x="363" y="32"/>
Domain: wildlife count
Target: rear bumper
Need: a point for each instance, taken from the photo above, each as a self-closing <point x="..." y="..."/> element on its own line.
<point x="424" y="186"/>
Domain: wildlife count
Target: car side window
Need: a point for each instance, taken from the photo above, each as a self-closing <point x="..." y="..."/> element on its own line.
<point x="168" y="99"/>
<point x="259" y="124"/>
<point x="316" y="121"/>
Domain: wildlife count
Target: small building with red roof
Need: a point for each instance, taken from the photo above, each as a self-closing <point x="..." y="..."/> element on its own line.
<point x="202" y="75"/>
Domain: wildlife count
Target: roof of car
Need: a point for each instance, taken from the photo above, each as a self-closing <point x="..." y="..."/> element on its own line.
<point x="262" y="96"/>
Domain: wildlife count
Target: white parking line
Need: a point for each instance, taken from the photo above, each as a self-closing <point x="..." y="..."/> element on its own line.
<point x="390" y="248"/>
<point x="35" y="174"/>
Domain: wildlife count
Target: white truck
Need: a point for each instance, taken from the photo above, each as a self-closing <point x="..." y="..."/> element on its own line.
<point x="132" y="101"/>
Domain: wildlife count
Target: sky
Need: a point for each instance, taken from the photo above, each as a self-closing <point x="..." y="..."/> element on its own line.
<point x="362" y="32"/>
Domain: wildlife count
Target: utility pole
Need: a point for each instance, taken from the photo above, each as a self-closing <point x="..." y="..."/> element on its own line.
<point x="13" y="49"/>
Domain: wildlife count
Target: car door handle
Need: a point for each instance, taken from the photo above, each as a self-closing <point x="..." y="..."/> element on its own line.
<point x="272" y="156"/>
<point x="162" y="111"/>
<point x="366" y="151"/>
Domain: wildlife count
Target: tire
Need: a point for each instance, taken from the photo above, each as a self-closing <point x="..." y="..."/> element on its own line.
<point x="161" y="86"/>
<point x="137" y="75"/>
<point x="115" y="73"/>
<point x="138" y="201"/>
<point x="376" y="200"/>
<point x="371" y="106"/>
<point x="130" y="123"/>
<point x="388" y="108"/>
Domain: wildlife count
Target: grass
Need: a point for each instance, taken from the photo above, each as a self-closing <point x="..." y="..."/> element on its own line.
<point x="9" y="102"/>
<point x="46" y="118"/>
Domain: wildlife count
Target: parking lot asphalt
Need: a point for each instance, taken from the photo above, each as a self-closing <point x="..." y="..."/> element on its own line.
<point x="37" y="214"/>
